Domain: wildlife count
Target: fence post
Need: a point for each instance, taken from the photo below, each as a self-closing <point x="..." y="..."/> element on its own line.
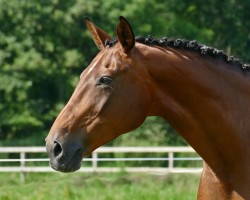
<point x="94" y="160"/>
<point x="170" y="160"/>
<point x="22" y="166"/>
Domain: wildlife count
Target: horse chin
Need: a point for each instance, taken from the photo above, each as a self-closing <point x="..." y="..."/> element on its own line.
<point x="66" y="167"/>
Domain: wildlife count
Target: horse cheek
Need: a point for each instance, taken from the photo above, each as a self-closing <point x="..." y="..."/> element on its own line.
<point x="136" y="110"/>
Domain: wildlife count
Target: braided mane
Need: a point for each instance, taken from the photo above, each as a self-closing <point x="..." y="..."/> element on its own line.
<point x="192" y="45"/>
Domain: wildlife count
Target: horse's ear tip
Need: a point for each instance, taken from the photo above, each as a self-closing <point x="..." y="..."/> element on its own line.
<point x="86" y="18"/>
<point x="121" y="18"/>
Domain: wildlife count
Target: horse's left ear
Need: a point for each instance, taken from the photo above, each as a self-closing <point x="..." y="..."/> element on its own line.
<point x="99" y="36"/>
<point x="125" y="35"/>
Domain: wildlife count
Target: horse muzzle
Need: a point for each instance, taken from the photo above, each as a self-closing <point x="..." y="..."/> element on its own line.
<point x="65" y="156"/>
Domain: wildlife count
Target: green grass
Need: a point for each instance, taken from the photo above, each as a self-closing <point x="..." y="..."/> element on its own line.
<point x="80" y="186"/>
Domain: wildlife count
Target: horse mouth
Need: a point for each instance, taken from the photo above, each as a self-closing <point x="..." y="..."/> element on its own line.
<point x="65" y="164"/>
<point x="65" y="160"/>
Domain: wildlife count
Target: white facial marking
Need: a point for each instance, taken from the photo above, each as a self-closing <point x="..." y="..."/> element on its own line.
<point x="92" y="67"/>
<point x="185" y="57"/>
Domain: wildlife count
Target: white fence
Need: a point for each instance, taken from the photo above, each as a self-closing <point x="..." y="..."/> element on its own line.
<point x="95" y="160"/>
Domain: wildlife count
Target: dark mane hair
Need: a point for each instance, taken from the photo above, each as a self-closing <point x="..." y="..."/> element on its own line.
<point x="192" y="45"/>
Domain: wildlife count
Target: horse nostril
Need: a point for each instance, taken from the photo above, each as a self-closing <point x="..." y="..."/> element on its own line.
<point x="57" y="150"/>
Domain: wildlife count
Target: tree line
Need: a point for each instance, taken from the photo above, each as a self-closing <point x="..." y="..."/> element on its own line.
<point x="44" y="46"/>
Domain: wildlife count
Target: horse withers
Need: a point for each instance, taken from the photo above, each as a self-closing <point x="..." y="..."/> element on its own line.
<point x="202" y="92"/>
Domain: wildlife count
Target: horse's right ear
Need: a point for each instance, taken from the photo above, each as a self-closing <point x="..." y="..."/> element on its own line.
<point x="99" y="36"/>
<point x="125" y="35"/>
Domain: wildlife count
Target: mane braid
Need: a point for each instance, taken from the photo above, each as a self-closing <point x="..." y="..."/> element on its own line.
<point x="192" y="45"/>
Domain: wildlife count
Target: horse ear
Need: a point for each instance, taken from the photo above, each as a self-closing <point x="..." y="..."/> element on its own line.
<point x="125" y="35"/>
<point x="99" y="36"/>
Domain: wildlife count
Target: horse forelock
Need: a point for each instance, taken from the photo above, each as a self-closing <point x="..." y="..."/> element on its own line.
<point x="191" y="45"/>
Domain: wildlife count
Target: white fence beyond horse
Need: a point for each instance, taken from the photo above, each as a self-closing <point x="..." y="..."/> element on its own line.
<point x="168" y="152"/>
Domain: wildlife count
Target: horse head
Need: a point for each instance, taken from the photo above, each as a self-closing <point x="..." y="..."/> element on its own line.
<point x="111" y="98"/>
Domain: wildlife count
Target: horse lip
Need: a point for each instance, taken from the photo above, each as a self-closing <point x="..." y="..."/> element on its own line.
<point x="66" y="167"/>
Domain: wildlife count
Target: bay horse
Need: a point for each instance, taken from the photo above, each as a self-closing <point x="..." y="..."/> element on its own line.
<point x="201" y="91"/>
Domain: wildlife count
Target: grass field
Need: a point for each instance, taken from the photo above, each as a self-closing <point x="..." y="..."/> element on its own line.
<point x="80" y="186"/>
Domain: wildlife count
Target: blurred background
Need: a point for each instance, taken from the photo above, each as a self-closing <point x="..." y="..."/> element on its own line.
<point x="44" y="46"/>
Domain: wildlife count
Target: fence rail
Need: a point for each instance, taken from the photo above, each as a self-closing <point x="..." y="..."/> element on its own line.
<point x="95" y="159"/>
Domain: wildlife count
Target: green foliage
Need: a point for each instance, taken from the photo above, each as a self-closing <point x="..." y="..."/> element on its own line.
<point x="41" y="53"/>
<point x="222" y="24"/>
<point x="44" y="46"/>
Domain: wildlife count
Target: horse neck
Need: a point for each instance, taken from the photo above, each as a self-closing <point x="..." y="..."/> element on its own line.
<point x="205" y="99"/>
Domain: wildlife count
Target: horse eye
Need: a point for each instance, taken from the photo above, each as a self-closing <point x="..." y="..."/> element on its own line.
<point x="104" y="80"/>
